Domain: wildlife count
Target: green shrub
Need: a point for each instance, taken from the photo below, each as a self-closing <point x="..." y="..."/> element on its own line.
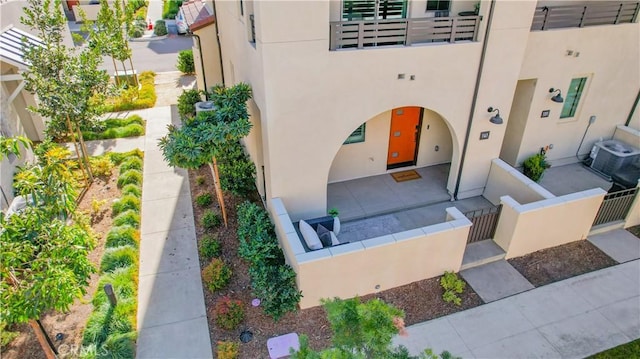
<point x="131" y="163"/>
<point x="125" y="203"/>
<point x="209" y="247"/>
<point x="122" y="236"/>
<point x="227" y="350"/>
<point x="258" y="244"/>
<point x="272" y="280"/>
<point x="216" y="275"/>
<point x="6" y="335"/>
<point x="125" y="286"/>
<point x="452" y="286"/>
<point x="229" y="313"/>
<point x="160" y="28"/>
<point x="185" y="62"/>
<point x="187" y="101"/>
<point x="200" y="180"/>
<point x="275" y="285"/>
<point x="237" y="172"/>
<point x="132" y="98"/>
<point x="132" y="190"/>
<point x="119" y="157"/>
<point x="170" y="8"/>
<point x="121" y="345"/>
<point x="210" y="219"/>
<point x="130" y="177"/>
<point x="535" y="166"/>
<point x="127" y="218"/>
<point x="117" y="128"/>
<point x="204" y="199"/>
<point x="118" y="257"/>
<point x="101" y="166"/>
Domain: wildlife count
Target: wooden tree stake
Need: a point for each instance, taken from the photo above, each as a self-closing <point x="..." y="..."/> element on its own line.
<point x="216" y="182"/>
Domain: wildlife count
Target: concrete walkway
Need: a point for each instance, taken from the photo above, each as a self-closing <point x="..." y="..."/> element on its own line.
<point x="573" y="318"/>
<point x="172" y="319"/>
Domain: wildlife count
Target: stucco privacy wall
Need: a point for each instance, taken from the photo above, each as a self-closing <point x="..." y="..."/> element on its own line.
<point x="210" y="57"/>
<point x="633" y="216"/>
<point x="374" y="264"/>
<point x="628" y="135"/>
<point x="527" y="228"/>
<point x="609" y="57"/>
<point x="369" y="158"/>
<point x="318" y="97"/>
<point x="505" y="180"/>
<point x="510" y="27"/>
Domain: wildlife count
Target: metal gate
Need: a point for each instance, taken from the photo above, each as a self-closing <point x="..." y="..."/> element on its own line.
<point x="484" y="222"/>
<point x="615" y="206"/>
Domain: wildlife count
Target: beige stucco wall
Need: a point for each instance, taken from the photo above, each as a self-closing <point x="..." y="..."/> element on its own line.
<point x="90" y="11"/>
<point x="524" y="229"/>
<point x="633" y="216"/>
<point x="505" y="180"/>
<point x="628" y="135"/>
<point x="609" y="56"/>
<point x="210" y="57"/>
<point x="310" y="99"/>
<point x="375" y="264"/>
<point x="369" y="158"/>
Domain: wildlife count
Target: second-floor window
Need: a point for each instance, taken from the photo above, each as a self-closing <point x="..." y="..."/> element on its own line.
<point x="573" y="97"/>
<point x="353" y="10"/>
<point x="438" y="5"/>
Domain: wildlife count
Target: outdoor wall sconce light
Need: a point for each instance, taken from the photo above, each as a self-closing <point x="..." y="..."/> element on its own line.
<point x="557" y="97"/>
<point x="495" y="119"/>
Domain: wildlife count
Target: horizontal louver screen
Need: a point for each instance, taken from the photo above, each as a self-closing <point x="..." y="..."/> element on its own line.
<point x="366" y="9"/>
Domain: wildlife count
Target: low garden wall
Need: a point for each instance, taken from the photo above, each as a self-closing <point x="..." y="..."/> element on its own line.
<point x="374" y="264"/>
<point x="526" y="228"/>
<point x="506" y="180"/>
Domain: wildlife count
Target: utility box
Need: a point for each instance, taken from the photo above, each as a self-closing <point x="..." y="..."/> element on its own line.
<point x="611" y="155"/>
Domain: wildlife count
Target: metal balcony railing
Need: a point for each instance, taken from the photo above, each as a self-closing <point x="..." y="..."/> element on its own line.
<point x="406" y="32"/>
<point x="587" y="14"/>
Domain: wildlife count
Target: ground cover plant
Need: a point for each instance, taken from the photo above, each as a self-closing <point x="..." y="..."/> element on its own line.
<point x="132" y="98"/>
<point x="117" y="128"/>
<point x="111" y="329"/>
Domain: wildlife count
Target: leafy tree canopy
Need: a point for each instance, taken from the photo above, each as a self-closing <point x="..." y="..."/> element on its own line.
<point x="198" y="140"/>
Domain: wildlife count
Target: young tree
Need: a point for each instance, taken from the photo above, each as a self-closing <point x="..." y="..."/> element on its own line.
<point x="198" y="141"/>
<point x="68" y="84"/>
<point x="109" y="34"/>
<point x="44" y="262"/>
<point x="362" y="331"/>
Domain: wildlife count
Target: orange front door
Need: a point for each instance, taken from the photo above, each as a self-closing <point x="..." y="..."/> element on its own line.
<point x="403" y="137"/>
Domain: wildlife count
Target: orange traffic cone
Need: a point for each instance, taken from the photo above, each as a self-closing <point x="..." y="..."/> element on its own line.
<point x="149" y="25"/>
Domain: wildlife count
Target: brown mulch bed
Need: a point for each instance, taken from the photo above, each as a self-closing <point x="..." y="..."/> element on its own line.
<point x="562" y="262"/>
<point x="72" y="324"/>
<point x="420" y="300"/>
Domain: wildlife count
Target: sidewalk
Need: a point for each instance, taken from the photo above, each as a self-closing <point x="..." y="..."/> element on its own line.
<point x="172" y="319"/>
<point x="573" y="318"/>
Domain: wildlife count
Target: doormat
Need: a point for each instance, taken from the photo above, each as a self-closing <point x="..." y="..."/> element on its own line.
<point x="405" y="175"/>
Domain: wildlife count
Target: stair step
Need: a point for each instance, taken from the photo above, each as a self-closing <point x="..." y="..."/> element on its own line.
<point x="479" y="253"/>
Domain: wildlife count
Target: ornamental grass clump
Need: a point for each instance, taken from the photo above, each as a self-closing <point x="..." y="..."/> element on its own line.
<point x="130" y="177"/>
<point x="122" y="236"/>
<point x="127" y="218"/>
<point x="118" y="257"/>
<point x="124" y="204"/>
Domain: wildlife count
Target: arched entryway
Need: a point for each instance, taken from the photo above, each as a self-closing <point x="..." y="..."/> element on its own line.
<point x="361" y="181"/>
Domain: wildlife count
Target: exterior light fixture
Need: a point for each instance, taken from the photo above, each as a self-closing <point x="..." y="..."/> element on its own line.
<point x="495" y="119"/>
<point x="557" y="97"/>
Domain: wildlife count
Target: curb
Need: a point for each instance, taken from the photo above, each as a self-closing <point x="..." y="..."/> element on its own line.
<point x="148" y="38"/>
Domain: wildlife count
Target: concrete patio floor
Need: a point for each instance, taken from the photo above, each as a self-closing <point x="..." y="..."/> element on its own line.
<point x="575" y="177"/>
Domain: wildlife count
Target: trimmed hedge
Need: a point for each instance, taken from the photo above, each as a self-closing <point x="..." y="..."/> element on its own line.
<point x="272" y="280"/>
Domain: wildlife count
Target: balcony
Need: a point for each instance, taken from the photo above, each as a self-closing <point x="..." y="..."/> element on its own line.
<point x="588" y="14"/>
<point x="404" y="32"/>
